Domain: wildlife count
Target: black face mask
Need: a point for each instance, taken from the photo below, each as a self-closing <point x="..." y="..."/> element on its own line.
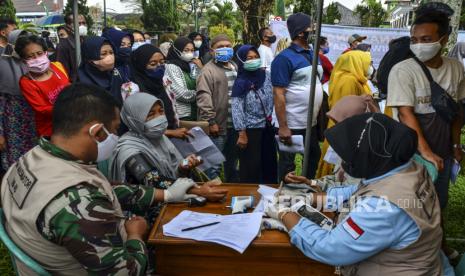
<point x="271" y="39"/>
<point x="307" y="38"/>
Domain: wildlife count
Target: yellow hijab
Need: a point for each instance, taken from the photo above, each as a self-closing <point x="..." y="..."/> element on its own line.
<point x="349" y="76"/>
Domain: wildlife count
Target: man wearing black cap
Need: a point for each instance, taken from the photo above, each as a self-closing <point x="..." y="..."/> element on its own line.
<point x="291" y="77"/>
<point x="354" y="41"/>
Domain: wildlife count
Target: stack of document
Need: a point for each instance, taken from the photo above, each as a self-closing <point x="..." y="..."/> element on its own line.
<point x="234" y="231"/>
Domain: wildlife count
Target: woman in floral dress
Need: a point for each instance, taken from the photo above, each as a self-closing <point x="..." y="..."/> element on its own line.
<point x="17" y="129"/>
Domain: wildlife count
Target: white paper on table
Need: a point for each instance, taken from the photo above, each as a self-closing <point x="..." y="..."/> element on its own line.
<point x="267" y="194"/>
<point x="296" y="147"/>
<point x="234" y="231"/>
<point x="201" y="145"/>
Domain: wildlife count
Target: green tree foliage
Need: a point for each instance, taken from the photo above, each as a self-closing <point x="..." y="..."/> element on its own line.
<point x="306" y="6"/>
<point x="332" y="14"/>
<point x="281" y="9"/>
<point x="28" y="27"/>
<point x="187" y="9"/>
<point x="159" y="14"/>
<point x="7" y="9"/>
<point x="221" y="29"/>
<point x="255" y="16"/>
<point x="371" y="13"/>
<point x="131" y="22"/>
<point x="83" y="9"/>
<point x="222" y="13"/>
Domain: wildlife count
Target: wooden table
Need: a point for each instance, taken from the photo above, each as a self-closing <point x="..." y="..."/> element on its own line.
<point x="269" y="254"/>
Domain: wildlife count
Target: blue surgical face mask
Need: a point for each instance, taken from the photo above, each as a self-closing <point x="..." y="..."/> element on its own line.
<point x="224" y="54"/>
<point x="156" y="73"/>
<point x="325" y="50"/>
<point x="137" y="45"/>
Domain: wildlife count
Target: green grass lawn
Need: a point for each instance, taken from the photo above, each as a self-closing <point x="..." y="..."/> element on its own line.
<point x="454" y="221"/>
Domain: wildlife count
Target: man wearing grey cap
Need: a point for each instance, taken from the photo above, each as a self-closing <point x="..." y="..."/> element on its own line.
<point x="354" y="41"/>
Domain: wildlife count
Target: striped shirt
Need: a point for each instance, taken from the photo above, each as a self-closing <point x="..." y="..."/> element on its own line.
<point x="231" y="75"/>
<point x="175" y="83"/>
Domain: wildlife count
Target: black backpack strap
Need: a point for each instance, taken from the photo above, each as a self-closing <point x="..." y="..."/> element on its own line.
<point x="425" y="69"/>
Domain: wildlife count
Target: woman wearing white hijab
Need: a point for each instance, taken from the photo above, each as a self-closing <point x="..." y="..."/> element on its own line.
<point x="144" y="155"/>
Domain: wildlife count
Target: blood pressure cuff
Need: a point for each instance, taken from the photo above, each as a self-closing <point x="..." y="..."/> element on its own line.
<point x="138" y="166"/>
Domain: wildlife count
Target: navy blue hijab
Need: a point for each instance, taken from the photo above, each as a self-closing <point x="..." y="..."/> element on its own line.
<point x="116" y="37"/>
<point x="88" y="73"/>
<point x="111" y="81"/>
<point x="122" y="55"/>
<point x="247" y="80"/>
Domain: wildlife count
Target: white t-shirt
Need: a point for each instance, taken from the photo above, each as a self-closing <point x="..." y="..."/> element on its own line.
<point x="409" y="86"/>
<point x="266" y="55"/>
<point x="297" y="98"/>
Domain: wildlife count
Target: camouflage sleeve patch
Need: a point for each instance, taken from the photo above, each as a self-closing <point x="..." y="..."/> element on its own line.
<point x="88" y="228"/>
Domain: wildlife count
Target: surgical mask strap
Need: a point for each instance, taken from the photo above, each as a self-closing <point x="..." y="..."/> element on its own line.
<point x="96" y="125"/>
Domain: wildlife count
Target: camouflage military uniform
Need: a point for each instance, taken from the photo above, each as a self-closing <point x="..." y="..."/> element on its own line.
<point x="88" y="228"/>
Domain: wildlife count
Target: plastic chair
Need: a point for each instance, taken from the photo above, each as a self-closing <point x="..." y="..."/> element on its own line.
<point x="460" y="268"/>
<point x="17" y="253"/>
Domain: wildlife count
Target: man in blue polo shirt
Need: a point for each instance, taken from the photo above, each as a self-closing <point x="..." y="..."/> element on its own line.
<point x="291" y="77"/>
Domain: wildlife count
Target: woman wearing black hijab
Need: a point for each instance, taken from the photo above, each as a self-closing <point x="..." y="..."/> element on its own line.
<point x="372" y="148"/>
<point x="148" y="69"/>
<point x="98" y="66"/>
<point x="181" y="73"/>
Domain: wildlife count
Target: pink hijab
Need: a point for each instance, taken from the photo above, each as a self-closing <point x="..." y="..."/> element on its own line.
<point x="352" y="105"/>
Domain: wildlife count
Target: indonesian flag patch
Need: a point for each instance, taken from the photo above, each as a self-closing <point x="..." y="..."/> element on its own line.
<point x="352" y="228"/>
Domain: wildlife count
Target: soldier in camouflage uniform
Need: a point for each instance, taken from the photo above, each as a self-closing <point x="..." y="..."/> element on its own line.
<point x="62" y="211"/>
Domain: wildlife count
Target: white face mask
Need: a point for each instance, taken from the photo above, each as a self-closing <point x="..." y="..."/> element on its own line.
<point x="197" y="43"/>
<point x="426" y="51"/>
<point x="137" y="45"/>
<point x="106" y="147"/>
<point x="187" y="56"/>
<point x="82" y="30"/>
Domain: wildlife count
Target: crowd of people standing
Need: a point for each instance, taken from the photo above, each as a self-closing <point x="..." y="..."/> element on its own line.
<point x="128" y="98"/>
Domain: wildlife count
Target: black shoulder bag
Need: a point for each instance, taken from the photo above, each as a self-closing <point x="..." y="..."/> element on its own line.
<point x="442" y="102"/>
